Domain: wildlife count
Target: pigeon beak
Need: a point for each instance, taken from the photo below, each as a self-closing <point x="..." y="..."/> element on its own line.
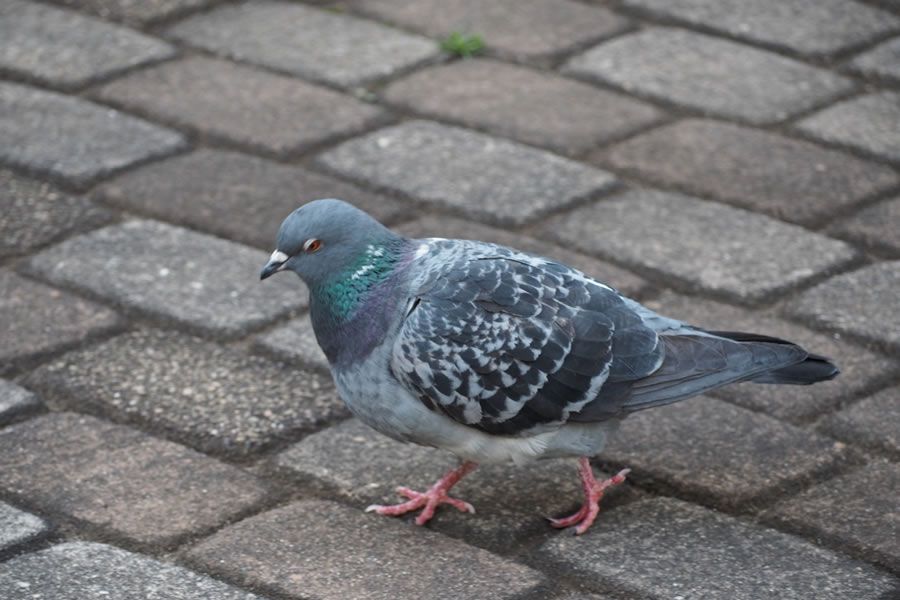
<point x="276" y="263"/>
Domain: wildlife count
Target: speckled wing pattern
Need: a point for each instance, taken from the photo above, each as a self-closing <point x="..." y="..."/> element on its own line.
<point x="512" y="344"/>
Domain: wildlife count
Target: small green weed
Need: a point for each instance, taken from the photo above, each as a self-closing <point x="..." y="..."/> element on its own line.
<point x="463" y="45"/>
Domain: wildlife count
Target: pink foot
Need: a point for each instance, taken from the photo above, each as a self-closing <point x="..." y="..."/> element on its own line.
<point x="430" y="500"/>
<point x="593" y="493"/>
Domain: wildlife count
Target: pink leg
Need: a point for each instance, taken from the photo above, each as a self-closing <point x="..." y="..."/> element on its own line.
<point x="430" y="500"/>
<point x="593" y="493"/>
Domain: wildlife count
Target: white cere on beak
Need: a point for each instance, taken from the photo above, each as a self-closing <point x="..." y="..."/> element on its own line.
<point x="278" y="256"/>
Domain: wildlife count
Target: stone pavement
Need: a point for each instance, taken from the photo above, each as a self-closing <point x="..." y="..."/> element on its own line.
<point x="168" y="428"/>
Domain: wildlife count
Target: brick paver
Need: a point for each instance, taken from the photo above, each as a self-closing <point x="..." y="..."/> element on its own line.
<point x="377" y="558"/>
<point x="295" y="342"/>
<point x="677" y="550"/>
<point x="137" y="12"/>
<point x="709" y="74"/>
<point x="208" y="396"/>
<point x="73" y="140"/>
<point x="234" y="195"/>
<point x="789" y="179"/>
<point x="15" y="401"/>
<point x="871" y="423"/>
<point x="323" y="46"/>
<point x="479" y="175"/>
<point x="265" y="112"/>
<point x="868" y="123"/>
<point x="704" y="245"/>
<point x="874" y="227"/>
<point x="18" y="527"/>
<point x="198" y="281"/>
<point x="881" y="61"/>
<point x="79" y="570"/>
<point x="119" y="480"/>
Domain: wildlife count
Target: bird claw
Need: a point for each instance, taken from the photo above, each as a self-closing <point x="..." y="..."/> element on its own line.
<point x="430" y="500"/>
<point x="593" y="493"/>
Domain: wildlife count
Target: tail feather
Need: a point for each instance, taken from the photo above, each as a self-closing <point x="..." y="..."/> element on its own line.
<point x="813" y="369"/>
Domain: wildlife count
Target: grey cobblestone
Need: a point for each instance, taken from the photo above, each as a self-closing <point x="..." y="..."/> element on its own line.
<point x="296" y="342"/>
<point x="198" y="281"/>
<point x="121" y="481"/>
<point x="874" y="227"/>
<point x="323" y="46"/>
<point x="676" y="550"/>
<point x="872" y="423"/>
<point x="705" y="245"/>
<point x="881" y="61"/>
<point x="233" y="195"/>
<point x="709" y="74"/>
<point x="62" y="48"/>
<point x="482" y="176"/>
<point x="81" y="570"/>
<point x="789" y="179"/>
<point x="15" y="401"/>
<point x="869" y="123"/>
<point x="136" y="11"/>
<point x="284" y="549"/>
<point x="71" y="139"/>
<point x="269" y="113"/>
<point x="18" y="527"/>
<point x="208" y="396"/>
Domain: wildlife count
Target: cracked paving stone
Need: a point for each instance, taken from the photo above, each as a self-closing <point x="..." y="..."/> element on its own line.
<point x="703" y="245"/>
<point x="119" y="480"/>
<point x="73" y="140"/>
<point x="36" y="213"/>
<point x="233" y="195"/>
<point x="512" y="503"/>
<point x="295" y="342"/>
<point x="793" y="180"/>
<point x="369" y="556"/>
<point x="857" y="511"/>
<point x="18" y="527"/>
<point x="62" y="48"/>
<point x="874" y="227"/>
<point x="861" y="370"/>
<point x="241" y="105"/>
<point x="677" y="550"/>
<point x="82" y="570"/>
<point x="709" y="74"/>
<point x="809" y="27"/>
<point x="871" y="423"/>
<point x="855" y="303"/>
<point x="198" y="281"/>
<point x="564" y="115"/>
<point x="526" y="29"/>
<point x="881" y="61"/>
<point x="870" y="124"/>
<point x="15" y="401"/>
<point x="136" y="11"/>
<point x="323" y="46"/>
<point x="208" y="396"/>
<point x="479" y="175"/>
<point x="39" y="320"/>
<point x="720" y="454"/>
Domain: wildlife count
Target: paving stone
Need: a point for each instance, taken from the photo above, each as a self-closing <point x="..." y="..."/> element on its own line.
<point x="203" y="283"/>
<point x="241" y="105"/>
<point x="874" y="227"/>
<point x="511" y="503"/>
<point x="870" y="124"/>
<point x="324" y="46"/>
<point x="36" y="213"/>
<point x="284" y="549"/>
<point x="854" y="303"/>
<point x="71" y="139"/>
<point x="871" y="423"/>
<point x="295" y="341"/>
<point x="624" y="281"/>
<point x="709" y="74"/>
<point x="678" y="550"/>
<point x="703" y="245"/>
<point x="559" y="113"/>
<point x="136" y="11"/>
<point x="861" y="370"/>
<point x="39" y="320"/>
<point x="482" y="176"/>
<point x="205" y="395"/>
<point x="857" y="511"/>
<point x="18" y="527"/>
<point x="519" y="28"/>
<point x="80" y="570"/>
<point x="62" y="48"/>
<point x="790" y="179"/>
<point x="810" y="27"/>
<point x="233" y="195"/>
<point x="718" y="453"/>
<point x="15" y="401"/>
<point x="119" y="480"/>
<point x="881" y="61"/>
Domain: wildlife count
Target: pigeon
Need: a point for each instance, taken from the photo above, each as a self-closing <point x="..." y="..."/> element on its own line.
<point x="496" y="355"/>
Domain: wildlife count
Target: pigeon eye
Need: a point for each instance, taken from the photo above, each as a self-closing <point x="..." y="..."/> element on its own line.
<point x="312" y="245"/>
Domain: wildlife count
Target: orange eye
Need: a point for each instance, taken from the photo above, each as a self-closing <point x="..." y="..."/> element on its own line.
<point x="312" y="245"/>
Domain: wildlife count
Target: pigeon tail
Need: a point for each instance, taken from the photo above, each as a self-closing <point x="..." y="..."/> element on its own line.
<point x="813" y="369"/>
